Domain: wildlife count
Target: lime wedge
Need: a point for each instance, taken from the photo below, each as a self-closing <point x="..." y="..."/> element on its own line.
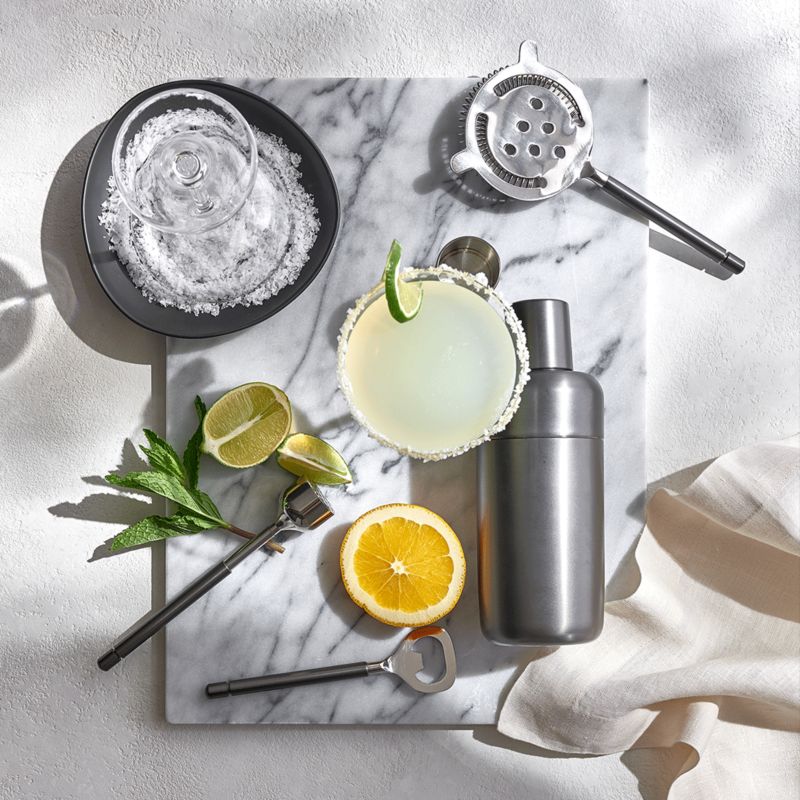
<point x="312" y="458"/>
<point x="246" y="425"/>
<point x="404" y="299"/>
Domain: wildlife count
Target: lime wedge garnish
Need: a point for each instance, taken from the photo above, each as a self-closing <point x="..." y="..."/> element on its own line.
<point x="312" y="458"/>
<point x="245" y="426"/>
<point x="404" y="299"/>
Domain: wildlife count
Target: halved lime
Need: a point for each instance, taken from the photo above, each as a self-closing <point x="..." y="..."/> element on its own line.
<point x="311" y="457"/>
<point x="245" y="426"/>
<point x="404" y="299"/>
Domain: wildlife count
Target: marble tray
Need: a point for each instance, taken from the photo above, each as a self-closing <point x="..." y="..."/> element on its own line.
<point x="386" y="142"/>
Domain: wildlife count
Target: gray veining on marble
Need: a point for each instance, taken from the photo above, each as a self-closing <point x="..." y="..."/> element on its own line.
<point x="387" y="142"/>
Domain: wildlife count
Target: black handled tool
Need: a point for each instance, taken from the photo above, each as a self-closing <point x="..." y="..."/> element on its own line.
<point x="302" y="506"/>
<point x="405" y="662"/>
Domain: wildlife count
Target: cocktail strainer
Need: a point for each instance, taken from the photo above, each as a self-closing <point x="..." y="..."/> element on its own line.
<point x="528" y="132"/>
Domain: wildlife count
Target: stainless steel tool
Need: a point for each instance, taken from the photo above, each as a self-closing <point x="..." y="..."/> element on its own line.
<point x="302" y="506"/>
<point x="473" y="255"/>
<point x="528" y="132"/>
<point x="405" y="662"/>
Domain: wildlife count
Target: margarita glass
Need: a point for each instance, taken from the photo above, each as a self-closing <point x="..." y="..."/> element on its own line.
<point x="443" y="382"/>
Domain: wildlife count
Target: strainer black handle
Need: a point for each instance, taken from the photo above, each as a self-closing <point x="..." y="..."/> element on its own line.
<point x="680" y="230"/>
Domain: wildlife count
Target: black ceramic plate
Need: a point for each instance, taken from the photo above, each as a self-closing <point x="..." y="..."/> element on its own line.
<point x="316" y="179"/>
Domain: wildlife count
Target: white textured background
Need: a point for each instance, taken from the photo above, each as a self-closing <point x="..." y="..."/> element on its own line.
<point x="76" y="378"/>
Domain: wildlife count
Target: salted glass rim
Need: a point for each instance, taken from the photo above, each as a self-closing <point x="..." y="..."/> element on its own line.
<point x="479" y="286"/>
<point x="117" y="157"/>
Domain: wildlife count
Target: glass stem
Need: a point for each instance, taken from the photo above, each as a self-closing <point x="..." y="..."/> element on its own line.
<point x="201" y="198"/>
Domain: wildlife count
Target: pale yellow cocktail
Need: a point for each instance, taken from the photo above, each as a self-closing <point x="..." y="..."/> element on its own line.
<point x="443" y="381"/>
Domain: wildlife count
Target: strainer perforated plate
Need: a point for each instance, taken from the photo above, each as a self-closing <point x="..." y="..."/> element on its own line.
<point x="527" y="129"/>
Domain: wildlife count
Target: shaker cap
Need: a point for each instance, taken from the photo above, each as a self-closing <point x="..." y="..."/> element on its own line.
<point x="547" y="330"/>
<point x="557" y="401"/>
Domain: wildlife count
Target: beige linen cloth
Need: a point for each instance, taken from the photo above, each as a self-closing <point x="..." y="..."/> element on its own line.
<point x="704" y="657"/>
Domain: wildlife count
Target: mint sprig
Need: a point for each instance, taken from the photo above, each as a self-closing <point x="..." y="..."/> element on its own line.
<point x="175" y="479"/>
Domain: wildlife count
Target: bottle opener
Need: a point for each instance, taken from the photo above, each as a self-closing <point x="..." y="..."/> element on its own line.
<point x="405" y="663"/>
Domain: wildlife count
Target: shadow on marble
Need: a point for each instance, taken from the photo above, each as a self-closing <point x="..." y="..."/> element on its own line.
<point x="158" y="649"/>
<point x="625" y="580"/>
<point x="635" y="508"/>
<point x="335" y="426"/>
<point x="336" y="598"/>
<point x="687" y="255"/>
<point x="337" y="318"/>
<point x="445" y="140"/>
<point x="17" y="314"/>
<point x="662" y="242"/>
<point x="183" y="386"/>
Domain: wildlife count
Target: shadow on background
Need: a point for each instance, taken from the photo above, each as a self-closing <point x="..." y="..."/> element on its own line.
<point x="76" y="293"/>
<point x="17" y="314"/>
<point x="680" y="480"/>
<point x="113" y="505"/>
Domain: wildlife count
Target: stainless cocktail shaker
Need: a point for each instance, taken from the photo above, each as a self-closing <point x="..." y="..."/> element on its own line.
<point x="540" y="498"/>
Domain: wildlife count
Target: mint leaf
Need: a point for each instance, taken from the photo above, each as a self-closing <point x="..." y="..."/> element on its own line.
<point x="175" y="479"/>
<point x="206" y="503"/>
<point x="162" y="456"/>
<point x="155" y="528"/>
<point x="170" y="487"/>
<point x="182" y="520"/>
<point x="191" y="455"/>
<point x="149" y="529"/>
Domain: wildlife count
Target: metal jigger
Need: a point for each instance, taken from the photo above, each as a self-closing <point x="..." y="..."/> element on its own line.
<point x="302" y="506"/>
<point x="473" y="255"/>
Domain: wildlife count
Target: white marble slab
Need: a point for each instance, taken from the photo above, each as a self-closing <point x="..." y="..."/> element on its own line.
<point x="386" y="142"/>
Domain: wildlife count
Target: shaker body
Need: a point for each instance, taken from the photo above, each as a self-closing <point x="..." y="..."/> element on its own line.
<point x="541" y="573"/>
<point x="541" y="564"/>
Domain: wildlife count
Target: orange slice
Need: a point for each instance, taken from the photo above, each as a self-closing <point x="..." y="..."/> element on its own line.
<point x="403" y="565"/>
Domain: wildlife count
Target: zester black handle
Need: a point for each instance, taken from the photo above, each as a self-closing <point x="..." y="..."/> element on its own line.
<point x="285" y="680"/>
<point x="680" y="230"/>
<point x="153" y="622"/>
